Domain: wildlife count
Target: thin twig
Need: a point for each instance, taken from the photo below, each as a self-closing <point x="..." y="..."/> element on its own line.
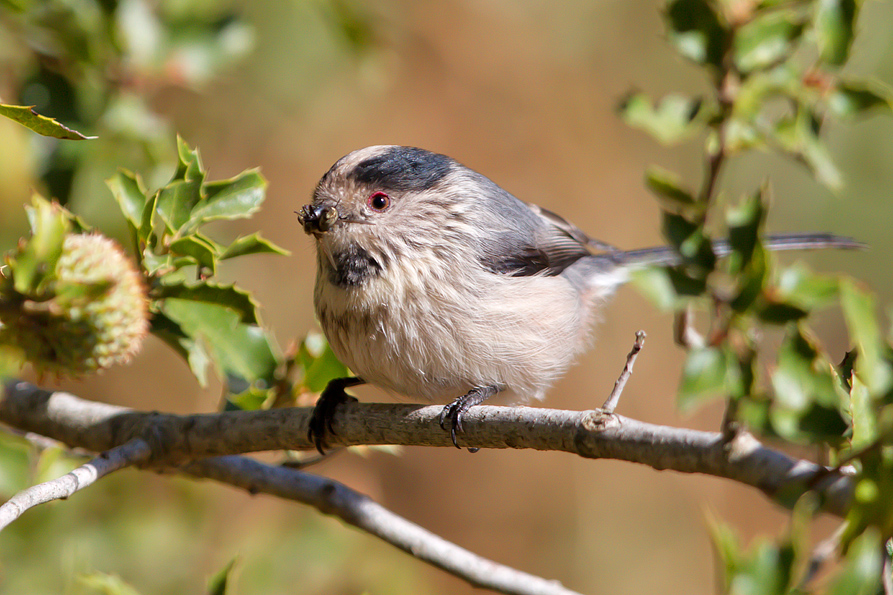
<point x="823" y="552"/>
<point x="354" y="508"/>
<point x="684" y="333"/>
<point x="614" y="397"/>
<point x="60" y="488"/>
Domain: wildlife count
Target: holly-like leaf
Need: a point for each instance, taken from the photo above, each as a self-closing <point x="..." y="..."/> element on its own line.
<point x="228" y="296"/>
<point x="252" y="244"/>
<point x="235" y="198"/>
<point x="176" y="201"/>
<point x="26" y="116"/>
<point x="198" y="249"/>
<point x="128" y="191"/>
<point x="241" y="350"/>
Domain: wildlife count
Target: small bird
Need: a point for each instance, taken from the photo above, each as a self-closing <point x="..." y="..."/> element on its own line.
<point x="435" y="283"/>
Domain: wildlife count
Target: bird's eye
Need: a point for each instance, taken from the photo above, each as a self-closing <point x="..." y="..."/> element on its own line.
<point x="379" y="201"/>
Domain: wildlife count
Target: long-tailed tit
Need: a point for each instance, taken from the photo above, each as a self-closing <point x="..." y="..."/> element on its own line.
<point x="435" y="283"/>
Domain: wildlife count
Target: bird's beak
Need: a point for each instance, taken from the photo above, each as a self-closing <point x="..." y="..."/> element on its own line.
<point x="317" y="219"/>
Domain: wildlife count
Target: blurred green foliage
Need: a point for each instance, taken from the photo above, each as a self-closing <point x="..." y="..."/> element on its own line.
<point x="775" y="71"/>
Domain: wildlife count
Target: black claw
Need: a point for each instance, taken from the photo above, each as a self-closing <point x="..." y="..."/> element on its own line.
<point x="455" y="411"/>
<point x="321" y="419"/>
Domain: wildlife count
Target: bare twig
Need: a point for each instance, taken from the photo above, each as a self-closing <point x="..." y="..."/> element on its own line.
<point x="823" y="552"/>
<point x="684" y="333"/>
<point x="614" y="397"/>
<point x="589" y="434"/>
<point x="331" y="497"/>
<point x="60" y="488"/>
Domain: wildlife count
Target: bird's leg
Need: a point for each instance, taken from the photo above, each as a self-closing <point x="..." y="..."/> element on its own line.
<point x="321" y="418"/>
<point x="455" y="411"/>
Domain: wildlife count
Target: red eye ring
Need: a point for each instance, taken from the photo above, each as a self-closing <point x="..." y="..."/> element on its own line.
<point x="379" y="202"/>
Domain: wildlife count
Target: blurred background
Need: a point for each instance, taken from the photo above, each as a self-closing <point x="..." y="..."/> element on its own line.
<point x="521" y="91"/>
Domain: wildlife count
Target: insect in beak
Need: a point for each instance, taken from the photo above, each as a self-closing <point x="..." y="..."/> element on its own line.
<point x="317" y="219"/>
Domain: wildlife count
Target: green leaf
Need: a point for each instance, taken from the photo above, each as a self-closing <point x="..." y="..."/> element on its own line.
<point x="745" y="222"/>
<point x="240" y="350"/>
<point x="320" y="363"/>
<point x="858" y="306"/>
<point x="26" y="116"/>
<point x="690" y="241"/>
<point x="189" y="348"/>
<point x="656" y="285"/>
<point x="146" y="228"/>
<point x="766" y="40"/>
<point x="228" y="296"/>
<point x="668" y="188"/>
<point x="673" y="119"/>
<point x="856" y="99"/>
<point x="189" y="167"/>
<point x="697" y="30"/>
<point x="780" y="313"/>
<point x="128" y="191"/>
<point x="252" y="244"/>
<point x="176" y="201"/>
<point x="217" y="584"/>
<point x="864" y="418"/>
<point x="799" y="136"/>
<point x="235" y="198"/>
<point x="806" y="393"/>
<point x="803" y="375"/>
<point x="872" y="504"/>
<point x="37" y="261"/>
<point x="862" y="567"/>
<point x="708" y="373"/>
<point x="198" y="249"/>
<point x="834" y="22"/>
<point x="751" y="278"/>
<point x="804" y="289"/>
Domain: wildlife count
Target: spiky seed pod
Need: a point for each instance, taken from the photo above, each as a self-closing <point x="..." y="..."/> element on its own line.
<point x="92" y="315"/>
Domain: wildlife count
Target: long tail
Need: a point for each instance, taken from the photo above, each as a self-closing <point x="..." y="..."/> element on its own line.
<point x="792" y="241"/>
<point x="601" y="274"/>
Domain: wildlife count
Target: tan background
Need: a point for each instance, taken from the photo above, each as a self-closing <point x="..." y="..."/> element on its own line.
<point x="525" y="93"/>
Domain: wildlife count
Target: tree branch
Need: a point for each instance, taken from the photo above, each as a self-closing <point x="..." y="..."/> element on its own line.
<point x="175" y="439"/>
<point x="331" y="497"/>
<point x="60" y="488"/>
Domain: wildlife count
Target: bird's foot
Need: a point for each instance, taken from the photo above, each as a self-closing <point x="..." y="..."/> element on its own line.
<point x="455" y="411"/>
<point x="321" y="419"/>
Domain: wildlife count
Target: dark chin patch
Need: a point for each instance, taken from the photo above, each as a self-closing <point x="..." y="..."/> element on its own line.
<point x="403" y="168"/>
<point x="354" y="266"/>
